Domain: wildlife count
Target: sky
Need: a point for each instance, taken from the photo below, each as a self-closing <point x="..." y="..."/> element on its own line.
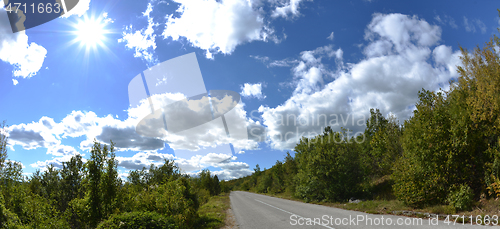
<point x="297" y="66"/>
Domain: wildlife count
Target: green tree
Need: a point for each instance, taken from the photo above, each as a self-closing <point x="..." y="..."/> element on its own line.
<point x="98" y="187"/>
<point x="386" y="147"/>
<point x="71" y="180"/>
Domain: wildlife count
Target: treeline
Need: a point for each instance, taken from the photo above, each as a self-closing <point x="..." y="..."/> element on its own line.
<point x="448" y="152"/>
<point x="91" y="195"/>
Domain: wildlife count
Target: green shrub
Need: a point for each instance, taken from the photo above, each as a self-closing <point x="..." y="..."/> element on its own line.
<point x="461" y="198"/>
<point x="203" y="196"/>
<point x="7" y="218"/>
<point x="174" y="198"/>
<point x="138" y="220"/>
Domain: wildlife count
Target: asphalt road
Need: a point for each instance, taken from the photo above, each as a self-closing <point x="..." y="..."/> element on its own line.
<point x="260" y="211"/>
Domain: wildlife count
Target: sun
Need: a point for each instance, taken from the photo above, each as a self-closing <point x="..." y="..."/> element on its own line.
<point x="90" y="32"/>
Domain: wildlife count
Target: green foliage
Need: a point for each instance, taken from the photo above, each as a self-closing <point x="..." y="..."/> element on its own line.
<point x="461" y="198"/>
<point x="135" y="220"/>
<point x="385" y="147"/>
<point x="326" y="158"/>
<point x="84" y="195"/>
<point x="77" y="213"/>
<point x="420" y="177"/>
<point x="224" y="187"/>
<point x="209" y="182"/>
<point x="8" y="219"/>
<point x="174" y="198"/>
<point x="203" y="195"/>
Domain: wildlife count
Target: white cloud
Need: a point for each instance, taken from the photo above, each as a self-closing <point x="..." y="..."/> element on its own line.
<point x="470" y="27"/>
<point x="230" y="169"/>
<point x="446" y="20"/>
<point x="330" y="37"/>
<point x="218" y="26"/>
<point x="15" y="82"/>
<point x="232" y="174"/>
<point x="80" y="9"/>
<point x="275" y="63"/>
<point x="32" y="135"/>
<point x="481" y="25"/>
<point x="62" y="150"/>
<point x="142" y="41"/>
<point x="400" y="59"/>
<point x="252" y="90"/>
<point x="143" y="159"/>
<point x="310" y="71"/>
<point x="27" y="58"/>
<point x="287" y="8"/>
<point x="47" y="133"/>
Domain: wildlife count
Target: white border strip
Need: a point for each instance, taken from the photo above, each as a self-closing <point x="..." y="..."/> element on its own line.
<point x="64" y="6"/>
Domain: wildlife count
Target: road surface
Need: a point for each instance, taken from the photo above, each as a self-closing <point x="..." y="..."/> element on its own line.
<point x="260" y="211"/>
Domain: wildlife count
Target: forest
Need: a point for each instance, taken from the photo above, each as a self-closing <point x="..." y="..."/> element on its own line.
<point x="448" y="152"/>
<point x="91" y="195"/>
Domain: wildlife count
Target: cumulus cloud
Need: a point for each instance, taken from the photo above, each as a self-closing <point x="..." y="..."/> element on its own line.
<point x="252" y="90"/>
<point x="32" y="135"/>
<point x="27" y="58"/>
<point x="143" y="159"/>
<point x="232" y="174"/>
<point x="400" y="59"/>
<point x="142" y="41"/>
<point x="218" y="26"/>
<point x="286" y="8"/>
<point x="203" y="141"/>
<point x="310" y="71"/>
<point x="230" y="169"/>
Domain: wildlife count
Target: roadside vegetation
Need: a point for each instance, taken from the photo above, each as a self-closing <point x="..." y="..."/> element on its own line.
<point x="445" y="159"/>
<point x="89" y="194"/>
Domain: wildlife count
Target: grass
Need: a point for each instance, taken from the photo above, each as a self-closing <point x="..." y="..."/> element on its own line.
<point x="213" y="213"/>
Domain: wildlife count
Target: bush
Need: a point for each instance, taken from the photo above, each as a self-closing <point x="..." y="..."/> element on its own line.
<point x="462" y="198"/>
<point x="7" y="218"/>
<point x="203" y="196"/>
<point x="136" y="220"/>
<point x="174" y="198"/>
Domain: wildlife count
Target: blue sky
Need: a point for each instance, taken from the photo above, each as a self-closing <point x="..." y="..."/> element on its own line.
<point x="65" y="82"/>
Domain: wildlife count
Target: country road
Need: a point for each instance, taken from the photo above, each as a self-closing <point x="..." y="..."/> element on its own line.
<point x="260" y="211"/>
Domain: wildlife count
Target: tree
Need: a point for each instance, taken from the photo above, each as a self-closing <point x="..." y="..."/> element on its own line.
<point x="3" y="145"/>
<point x="420" y="177"/>
<point x="216" y="185"/>
<point x="324" y="159"/>
<point x="110" y="182"/>
<point x="71" y="180"/>
<point x="385" y="147"/>
<point x="102" y="181"/>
